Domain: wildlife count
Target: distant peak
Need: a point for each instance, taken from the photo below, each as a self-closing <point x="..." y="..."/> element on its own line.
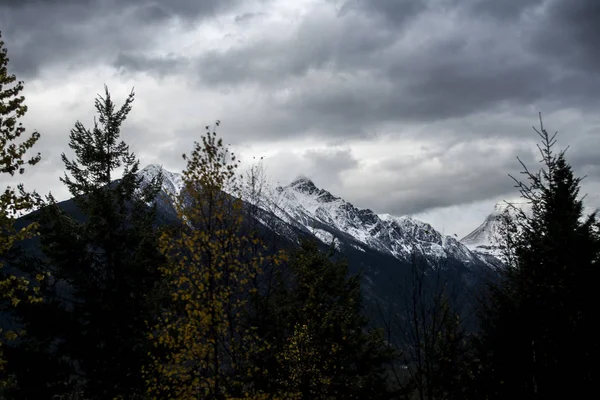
<point x="302" y="179"/>
<point x="171" y="183"/>
<point x="304" y="184"/>
<point x="151" y="171"/>
<point x="152" y="167"/>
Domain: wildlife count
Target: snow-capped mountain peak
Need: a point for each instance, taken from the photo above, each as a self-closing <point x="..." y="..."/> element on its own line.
<point x="303" y="184"/>
<point x="306" y="186"/>
<point x="172" y="182"/>
<point x="324" y="214"/>
<point x="303" y="206"/>
<point x="485" y="238"/>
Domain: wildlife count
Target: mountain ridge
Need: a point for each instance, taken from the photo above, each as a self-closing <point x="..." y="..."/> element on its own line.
<point x="329" y="218"/>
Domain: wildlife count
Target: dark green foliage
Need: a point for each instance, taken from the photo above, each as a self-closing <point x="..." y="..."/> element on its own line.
<point x="539" y="334"/>
<point x="426" y="327"/>
<point x="319" y="347"/>
<point x="38" y="361"/>
<point x="15" y="289"/>
<point x="104" y="265"/>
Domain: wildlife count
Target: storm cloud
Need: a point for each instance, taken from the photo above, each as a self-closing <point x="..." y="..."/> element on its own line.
<point x="401" y="106"/>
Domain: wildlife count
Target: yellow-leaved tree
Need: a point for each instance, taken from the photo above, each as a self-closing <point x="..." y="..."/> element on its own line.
<point x="203" y="342"/>
<point x="13" y="201"/>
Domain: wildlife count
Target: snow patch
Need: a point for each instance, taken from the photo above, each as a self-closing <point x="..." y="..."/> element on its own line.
<point x="326" y="237"/>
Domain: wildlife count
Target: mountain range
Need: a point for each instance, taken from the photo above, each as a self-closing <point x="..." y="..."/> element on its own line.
<point x="303" y="207"/>
<point x="381" y="247"/>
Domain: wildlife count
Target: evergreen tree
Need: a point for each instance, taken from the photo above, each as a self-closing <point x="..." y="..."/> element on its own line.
<point x="318" y="344"/>
<point x="13" y="201"/>
<point x="106" y="259"/>
<point x="539" y="336"/>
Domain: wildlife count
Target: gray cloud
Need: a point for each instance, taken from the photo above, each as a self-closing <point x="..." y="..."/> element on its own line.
<point x="149" y="10"/>
<point x="90" y="32"/>
<point x="568" y="36"/>
<point x="440" y="177"/>
<point x="325" y="167"/>
<point x="128" y="62"/>
<point x="394" y="12"/>
<point x="315" y="44"/>
<point x="583" y="153"/>
<point x="248" y="16"/>
<point x="453" y="76"/>
<point x="330" y="165"/>
<point x="485" y="66"/>
<point x="507" y="10"/>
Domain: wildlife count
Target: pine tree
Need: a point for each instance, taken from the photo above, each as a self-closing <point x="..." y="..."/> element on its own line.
<point x="203" y="341"/>
<point x="13" y="201"/>
<point x="318" y="344"/>
<point x="538" y="328"/>
<point x="107" y="255"/>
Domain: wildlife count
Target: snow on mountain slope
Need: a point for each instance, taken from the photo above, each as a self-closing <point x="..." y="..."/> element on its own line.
<point x="172" y="182"/>
<point x="329" y="218"/>
<point x="318" y="211"/>
<point x="485" y="238"/>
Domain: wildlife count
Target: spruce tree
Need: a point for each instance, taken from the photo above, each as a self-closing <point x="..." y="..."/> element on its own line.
<point x="106" y="255"/>
<point x="539" y="335"/>
<point x="14" y="289"/>
<point x="319" y="346"/>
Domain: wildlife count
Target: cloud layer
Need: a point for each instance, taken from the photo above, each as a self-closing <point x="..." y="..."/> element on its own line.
<point x="406" y="107"/>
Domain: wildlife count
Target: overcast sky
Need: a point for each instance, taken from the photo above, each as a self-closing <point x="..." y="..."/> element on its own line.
<point x="405" y="107"/>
